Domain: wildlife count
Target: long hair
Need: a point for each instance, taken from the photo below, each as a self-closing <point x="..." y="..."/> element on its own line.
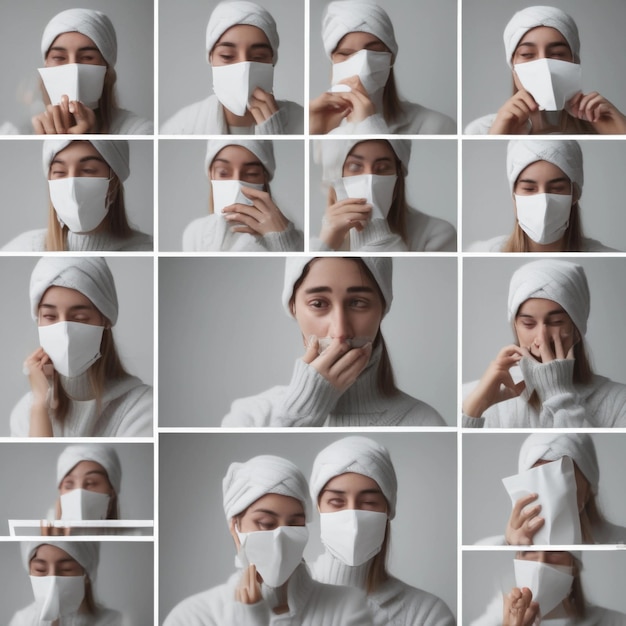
<point x="377" y="571"/>
<point x="590" y="516"/>
<point x="392" y="105"/>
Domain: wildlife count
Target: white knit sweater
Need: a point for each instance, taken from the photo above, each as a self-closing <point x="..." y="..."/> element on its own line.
<point x="29" y="616"/>
<point x="497" y="243"/>
<point x="35" y="241"/>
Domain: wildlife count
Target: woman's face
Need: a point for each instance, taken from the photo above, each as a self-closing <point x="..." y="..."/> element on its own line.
<point x="371" y="157"/>
<point x="79" y="159"/>
<point x="239" y="44"/>
<point x="271" y="511"/>
<point x="73" y="48"/>
<point x="583" y="488"/>
<point x="549" y="558"/>
<point x="87" y="475"/>
<point x="337" y="299"/>
<point x="353" y="42"/>
<point x="542" y="177"/>
<point x="540" y="321"/>
<point x="52" y="561"/>
<point x="352" y="491"/>
<point x="237" y="163"/>
<point x="61" y="304"/>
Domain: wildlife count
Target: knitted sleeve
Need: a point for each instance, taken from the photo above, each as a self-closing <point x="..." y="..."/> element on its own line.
<point x="376" y="237"/>
<point x="288" y="240"/>
<point x="137" y="409"/>
<point x="372" y="125"/>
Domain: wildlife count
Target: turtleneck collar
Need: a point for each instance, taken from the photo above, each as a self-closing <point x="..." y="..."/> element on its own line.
<point x="329" y="569"/>
<point x="78" y="387"/>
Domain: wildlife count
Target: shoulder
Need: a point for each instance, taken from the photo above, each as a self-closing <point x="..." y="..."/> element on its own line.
<point x="494" y="244"/>
<point x="481" y="125"/>
<point x="593" y="245"/>
<point x="195" y="118"/>
<point x="416" y="412"/>
<point x="28" y="616"/>
<point x="128" y="123"/>
<point x="29" y="241"/>
<point x="255" y="410"/>
<point x="295" y="116"/>
<point x="108" y="617"/>
<point x="430" y="233"/>
<point x="196" y="231"/>
<point x="138" y="242"/>
<point x="420" y="119"/>
<point x="20" y="416"/>
<point x="606" y="617"/>
<point x="204" y="608"/>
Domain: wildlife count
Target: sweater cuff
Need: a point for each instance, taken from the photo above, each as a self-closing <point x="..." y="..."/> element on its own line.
<point x="372" y="125"/>
<point x="256" y="614"/>
<point x="288" y="240"/>
<point x="548" y="379"/>
<point x="472" y="422"/>
<point x="318" y="245"/>
<point x="376" y="235"/>
<point x="274" y="125"/>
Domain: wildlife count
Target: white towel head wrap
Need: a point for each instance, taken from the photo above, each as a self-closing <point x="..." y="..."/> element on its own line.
<point x="97" y="452"/>
<point x="532" y="17"/>
<point x="86" y="553"/>
<point x="90" y="276"/>
<point x="565" y="154"/>
<point x="228" y="14"/>
<point x="262" y="150"/>
<point x="552" y="279"/>
<point x="114" y="151"/>
<point x="380" y="267"/>
<point x="552" y="447"/>
<point x="93" y="24"/>
<point x="350" y="16"/>
<point x="245" y="483"/>
<point x="357" y="455"/>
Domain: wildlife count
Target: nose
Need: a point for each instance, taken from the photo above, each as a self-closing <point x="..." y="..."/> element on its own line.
<point x="543" y="335"/>
<point x="340" y="326"/>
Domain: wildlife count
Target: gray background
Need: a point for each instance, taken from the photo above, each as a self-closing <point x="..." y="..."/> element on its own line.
<point x="423" y="536"/>
<point x="185" y="75"/>
<point x="488" y="206"/>
<point x="184" y="187"/>
<point x="133" y="332"/>
<point x="425" y="68"/>
<point x="25" y="187"/>
<point x="486" y="329"/>
<point x="21" y="43"/>
<point x="223" y="334"/>
<point x="487" y="82"/>
<point x="430" y="184"/>
<point x="488" y="458"/>
<point x="124" y="582"/>
<point x="35" y="464"/>
<point x="602" y="579"/>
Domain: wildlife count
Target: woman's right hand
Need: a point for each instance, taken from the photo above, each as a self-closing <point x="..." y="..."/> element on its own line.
<point x="326" y="112"/>
<point x="72" y="118"/>
<point x="342" y="216"/>
<point x="519" y="608"/>
<point x="36" y="366"/>
<point x="524" y="522"/>
<point x="249" y="589"/>
<point x="513" y="116"/>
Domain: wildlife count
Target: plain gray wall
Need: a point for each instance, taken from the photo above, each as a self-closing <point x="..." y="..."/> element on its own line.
<point x="184" y="187"/>
<point x="488" y="458"/>
<point x="426" y="65"/>
<point x="487" y="82"/>
<point x="488" y="206"/>
<point x="194" y="531"/>
<point x="21" y="43"/>
<point x="486" y="329"/>
<point x="185" y="75"/>
<point x="133" y="332"/>
<point x="223" y="334"/>
<point x="35" y="464"/>
<point x="124" y="581"/>
<point x="487" y="574"/>
<point x="25" y="187"/>
<point x="430" y="184"/>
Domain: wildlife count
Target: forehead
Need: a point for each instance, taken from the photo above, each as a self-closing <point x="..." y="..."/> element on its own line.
<point x="539" y="306"/>
<point x="278" y="504"/>
<point x="236" y="155"/>
<point x="542" y="35"/>
<point x="84" y="467"/>
<point x="358" y="39"/>
<point x="542" y="170"/>
<point x="64" y="297"/>
<point x="73" y="41"/>
<point x="51" y="554"/>
<point x="75" y="151"/>
<point x="351" y="482"/>
<point x="243" y="34"/>
<point x="373" y="150"/>
<point x="336" y="273"/>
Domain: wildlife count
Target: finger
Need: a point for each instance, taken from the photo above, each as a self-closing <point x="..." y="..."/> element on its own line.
<point x="38" y="126"/>
<point x="48" y="123"/>
<point x="545" y="351"/>
<point x="245" y="229"/>
<point x="312" y="349"/>
<point x="244" y="213"/>
<point x="521" y="503"/>
<point x="252" y="193"/>
<point x="529" y="102"/>
<point x="332" y="354"/>
<point x="58" y="120"/>
<point x="351" y="364"/>
<point x="559" y="351"/>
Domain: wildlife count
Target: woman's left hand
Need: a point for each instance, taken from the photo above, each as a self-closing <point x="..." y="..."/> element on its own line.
<point x="262" y="105"/>
<point x="519" y="608"/>
<point x="261" y="218"/>
<point x="67" y="117"/>
<point x="361" y="104"/>
<point x="249" y="589"/>
<point x="599" y="112"/>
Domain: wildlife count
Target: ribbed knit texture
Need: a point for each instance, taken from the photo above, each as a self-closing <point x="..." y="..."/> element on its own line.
<point x="29" y="616"/>
<point x="35" y="241"/>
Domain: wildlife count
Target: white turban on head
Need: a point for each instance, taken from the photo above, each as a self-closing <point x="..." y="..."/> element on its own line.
<point x="561" y="281"/>
<point x="532" y="17"/>
<point x="114" y="151"/>
<point x="565" y="154"/>
<point x="262" y="150"/>
<point x="349" y="16"/>
<point x="86" y="553"/>
<point x="358" y="455"/>
<point x="241" y="12"/>
<point x="90" y="276"/>
<point x="97" y="452"/>
<point x="245" y="483"/>
<point x="552" y="447"/>
<point x="380" y="267"/>
<point x="93" y="24"/>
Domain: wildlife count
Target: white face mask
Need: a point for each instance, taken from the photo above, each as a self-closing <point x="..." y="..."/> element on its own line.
<point x="72" y="346"/>
<point x="353" y="537"/>
<point x="355" y="342"/>
<point x="377" y="190"/>
<point x="82" y="504"/>
<point x="57" y="596"/>
<point x="227" y="192"/>
<point x="371" y="67"/>
<point x="77" y="81"/>
<point x="551" y="82"/>
<point x="544" y="217"/>
<point x="233" y="84"/>
<point x="80" y="203"/>
<point x="275" y="553"/>
<point x="549" y="584"/>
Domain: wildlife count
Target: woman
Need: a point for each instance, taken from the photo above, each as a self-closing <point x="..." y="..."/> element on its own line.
<point x="354" y="484"/>
<point x="345" y="377"/>
<point x="360" y="42"/>
<point x="242" y="214"/>
<point x="79" y="387"/>
<point x="242" y="49"/>
<point x="546" y="181"/>
<point x="79" y="49"/>
<point x="367" y="206"/>
<point x="86" y="200"/>
<point x="543" y="51"/>
<point x="62" y="576"/>
<point x="267" y="507"/>
<point x="548" y="306"/>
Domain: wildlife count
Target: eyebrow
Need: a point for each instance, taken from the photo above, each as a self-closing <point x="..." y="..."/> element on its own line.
<point x="553" y="44"/>
<point x="93" y="471"/>
<point x="554" y="312"/>
<point x="362" y="158"/>
<point x="76" y="307"/>
<point x="83" y="49"/>
<point x="274" y="514"/>
<point x="561" y="179"/>
<point x="254" y="46"/>
<point x="85" y="159"/>
<point x="359" y="289"/>
<point x="360" y="493"/>
<point x="369" y="44"/>
<point x="227" y="162"/>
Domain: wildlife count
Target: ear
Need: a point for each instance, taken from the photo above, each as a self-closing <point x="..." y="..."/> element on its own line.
<point x="576" y="193"/>
<point x="233" y="532"/>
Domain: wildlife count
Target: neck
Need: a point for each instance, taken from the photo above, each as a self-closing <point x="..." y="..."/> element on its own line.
<point x="78" y="387"/>
<point x="336" y="572"/>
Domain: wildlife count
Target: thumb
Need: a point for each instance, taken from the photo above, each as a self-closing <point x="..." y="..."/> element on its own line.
<point x="312" y="350"/>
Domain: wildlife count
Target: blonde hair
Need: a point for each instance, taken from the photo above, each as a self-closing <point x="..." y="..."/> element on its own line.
<point x="392" y="105"/>
<point x="377" y="571"/>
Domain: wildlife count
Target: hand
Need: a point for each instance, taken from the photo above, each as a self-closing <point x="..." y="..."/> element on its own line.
<point x="49" y="530"/>
<point x="513" y="116"/>
<point x="38" y="368"/>
<point x="327" y="111"/>
<point x="72" y="118"/>
<point x="551" y="345"/>
<point x="524" y="523"/>
<point x="361" y="105"/>
<point x="343" y="216"/>
<point x="598" y="111"/>
<point x="339" y="364"/>
<point x="519" y="609"/>
<point x="249" y="589"/>
<point x="262" y="105"/>
<point x="261" y="218"/>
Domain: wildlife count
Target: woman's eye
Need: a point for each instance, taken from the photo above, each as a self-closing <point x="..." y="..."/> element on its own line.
<point x="226" y="57"/>
<point x="317" y="304"/>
